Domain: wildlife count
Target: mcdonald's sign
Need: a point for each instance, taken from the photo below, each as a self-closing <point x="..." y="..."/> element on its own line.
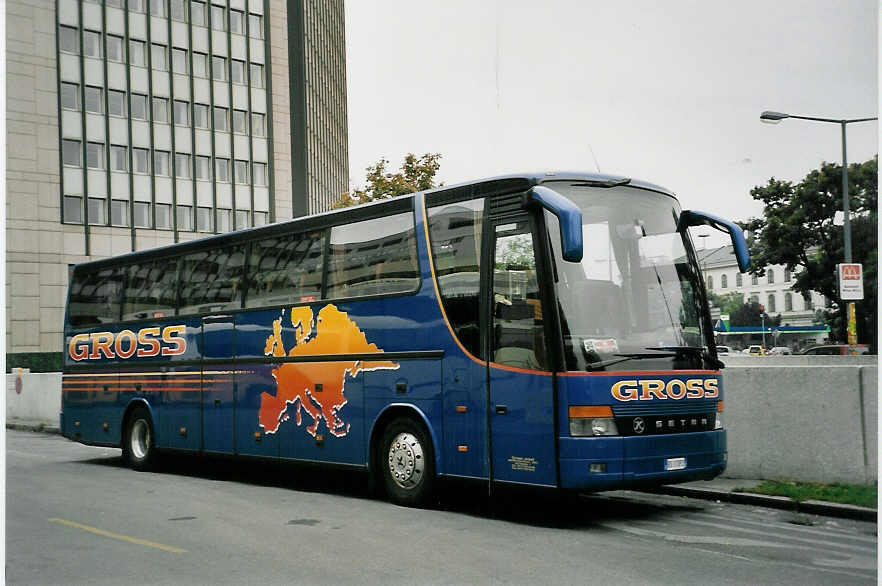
<point x="851" y="283"/>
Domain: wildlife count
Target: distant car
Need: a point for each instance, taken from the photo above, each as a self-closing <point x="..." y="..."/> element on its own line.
<point x="837" y="350"/>
<point x="755" y="350"/>
<point x="780" y="351"/>
<point x="723" y="350"/>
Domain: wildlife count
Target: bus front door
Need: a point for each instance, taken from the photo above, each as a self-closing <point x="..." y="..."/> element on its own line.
<point x="218" y="383"/>
<point x="522" y="430"/>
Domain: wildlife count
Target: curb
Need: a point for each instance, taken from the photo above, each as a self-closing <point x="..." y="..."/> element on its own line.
<point x="35" y="427"/>
<point x="773" y="502"/>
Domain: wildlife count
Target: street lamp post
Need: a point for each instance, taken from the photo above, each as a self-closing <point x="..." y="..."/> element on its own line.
<point x="770" y="117"/>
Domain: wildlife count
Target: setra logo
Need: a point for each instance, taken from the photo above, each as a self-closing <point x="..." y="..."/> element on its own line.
<point x="650" y="389"/>
<point x="147" y="342"/>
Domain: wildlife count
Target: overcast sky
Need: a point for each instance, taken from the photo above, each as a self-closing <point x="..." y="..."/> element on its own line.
<point x="669" y="92"/>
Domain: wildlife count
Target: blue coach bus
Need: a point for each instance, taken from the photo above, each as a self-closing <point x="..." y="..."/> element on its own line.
<point x="549" y="330"/>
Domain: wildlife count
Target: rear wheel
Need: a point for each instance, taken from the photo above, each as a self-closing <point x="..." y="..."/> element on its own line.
<point x="138" y="446"/>
<point x="407" y="463"/>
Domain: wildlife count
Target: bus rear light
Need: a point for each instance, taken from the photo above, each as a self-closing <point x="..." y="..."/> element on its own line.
<point x="592" y="420"/>
<point x="718" y="424"/>
<point x="719" y="406"/>
<point x="597" y="468"/>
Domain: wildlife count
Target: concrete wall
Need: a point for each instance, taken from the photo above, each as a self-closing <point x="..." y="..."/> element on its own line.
<point x="813" y="423"/>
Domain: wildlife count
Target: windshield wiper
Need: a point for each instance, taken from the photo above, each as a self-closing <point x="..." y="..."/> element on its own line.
<point x="624" y="357"/>
<point x="693" y="351"/>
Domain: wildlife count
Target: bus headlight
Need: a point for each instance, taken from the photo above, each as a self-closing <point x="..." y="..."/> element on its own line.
<point x="718" y="424"/>
<point x="594" y="420"/>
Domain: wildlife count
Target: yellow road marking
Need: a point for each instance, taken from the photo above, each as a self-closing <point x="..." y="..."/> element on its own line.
<point x="134" y="540"/>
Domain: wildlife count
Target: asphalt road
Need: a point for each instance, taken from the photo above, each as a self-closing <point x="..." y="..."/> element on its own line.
<point x="76" y="515"/>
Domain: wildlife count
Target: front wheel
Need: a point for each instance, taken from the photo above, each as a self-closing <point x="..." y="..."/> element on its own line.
<point x="407" y="463"/>
<point x="138" y="446"/>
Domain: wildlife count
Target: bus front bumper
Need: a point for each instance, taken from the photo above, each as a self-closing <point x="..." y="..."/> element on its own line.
<point x="635" y="462"/>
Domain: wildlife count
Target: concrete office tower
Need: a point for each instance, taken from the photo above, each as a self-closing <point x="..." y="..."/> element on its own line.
<point x="133" y="124"/>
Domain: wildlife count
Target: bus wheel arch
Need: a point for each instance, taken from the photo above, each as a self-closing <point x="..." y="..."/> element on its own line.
<point x="402" y="445"/>
<point x="138" y="436"/>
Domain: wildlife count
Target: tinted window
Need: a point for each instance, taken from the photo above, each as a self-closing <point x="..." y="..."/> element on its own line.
<point x="212" y="280"/>
<point x="150" y="290"/>
<point x="455" y="232"/>
<point x="286" y="269"/>
<point x="374" y="257"/>
<point x="95" y="297"/>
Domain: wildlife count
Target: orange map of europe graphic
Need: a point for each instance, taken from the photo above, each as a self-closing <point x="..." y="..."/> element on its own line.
<point x="331" y="332"/>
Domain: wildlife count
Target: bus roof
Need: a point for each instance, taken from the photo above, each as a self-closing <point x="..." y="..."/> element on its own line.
<point x="487" y="187"/>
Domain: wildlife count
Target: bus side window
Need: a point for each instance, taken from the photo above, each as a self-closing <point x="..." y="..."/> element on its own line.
<point x="285" y="269"/>
<point x="150" y="289"/>
<point x="518" y="333"/>
<point x="212" y="280"/>
<point x="455" y="234"/>
<point x="95" y="297"/>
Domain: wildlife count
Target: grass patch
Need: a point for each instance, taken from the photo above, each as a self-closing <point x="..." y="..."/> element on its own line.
<point x="862" y="495"/>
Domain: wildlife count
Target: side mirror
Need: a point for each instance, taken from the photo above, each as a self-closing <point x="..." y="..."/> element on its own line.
<point x="695" y="218"/>
<point x="569" y="216"/>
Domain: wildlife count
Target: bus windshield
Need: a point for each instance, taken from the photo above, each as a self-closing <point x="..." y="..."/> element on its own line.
<point x="634" y="300"/>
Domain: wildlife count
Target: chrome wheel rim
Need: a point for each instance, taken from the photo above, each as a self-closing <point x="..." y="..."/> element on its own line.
<point x="140" y="441"/>
<point x="406" y="461"/>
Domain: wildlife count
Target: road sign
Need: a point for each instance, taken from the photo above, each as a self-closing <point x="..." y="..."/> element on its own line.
<point x="851" y="283"/>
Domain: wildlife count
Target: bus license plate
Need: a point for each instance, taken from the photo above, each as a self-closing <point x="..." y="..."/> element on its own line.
<point x="675" y="464"/>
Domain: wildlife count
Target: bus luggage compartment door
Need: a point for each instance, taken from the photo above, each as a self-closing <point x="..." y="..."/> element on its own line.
<point x="218" y="383"/>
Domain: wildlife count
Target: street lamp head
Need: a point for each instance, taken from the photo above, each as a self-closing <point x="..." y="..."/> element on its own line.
<point x="770" y="117"/>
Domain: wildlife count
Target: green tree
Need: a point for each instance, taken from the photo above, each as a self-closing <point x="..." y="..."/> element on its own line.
<point x="752" y="314"/>
<point x="797" y="230"/>
<point x="416" y="174"/>
<point x="728" y="303"/>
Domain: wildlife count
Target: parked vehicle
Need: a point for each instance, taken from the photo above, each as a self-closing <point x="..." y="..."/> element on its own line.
<point x="780" y="351"/>
<point x="756" y="350"/>
<point x="723" y="350"/>
<point x="838" y="350"/>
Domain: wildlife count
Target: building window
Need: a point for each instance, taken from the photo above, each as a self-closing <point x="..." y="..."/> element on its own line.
<point x="116" y="103"/>
<point x="256" y="75"/>
<point x="159" y="57"/>
<point x="182" y="165"/>
<point x="182" y="113"/>
<point x="68" y="40"/>
<point x="260" y="218"/>
<point x="179" y="60"/>
<point x="218" y="18"/>
<point x="222" y="170"/>
<point x="94" y="100"/>
<point x="240" y="121"/>
<point x="240" y="172"/>
<point x="200" y="116"/>
<point x="139" y="107"/>
<point x="119" y="158"/>
<point x="179" y="10"/>
<point x="115" y="50"/>
<point x="73" y="209"/>
<point x="754" y="280"/>
<point x="142" y="214"/>
<point x="95" y="155"/>
<point x="260" y="174"/>
<point x="787" y="275"/>
<point x="738" y="280"/>
<point x="200" y="65"/>
<point x="807" y="300"/>
<point x="788" y="302"/>
<point x="92" y="44"/>
<point x="119" y="212"/>
<point x="197" y="12"/>
<point x="137" y="55"/>
<point x="138" y="5"/>
<point x="97" y="211"/>
<point x="770" y="275"/>
<point x="161" y="163"/>
<point x="185" y="218"/>
<point x="243" y="219"/>
<point x="163" y="216"/>
<point x="237" y="22"/>
<point x="771" y="303"/>
<point x="255" y="26"/>
<point x="224" y="220"/>
<point x="203" y="219"/>
<point x="237" y="71"/>
<point x="202" y="169"/>
<point x="257" y="124"/>
<point x="141" y="159"/>
<point x="754" y="299"/>
<point x="220" y="119"/>
<point x="219" y="68"/>
<point x="724" y="281"/>
<point x="710" y="282"/>
<point x="70" y="96"/>
<point x="160" y="109"/>
<point x="157" y="8"/>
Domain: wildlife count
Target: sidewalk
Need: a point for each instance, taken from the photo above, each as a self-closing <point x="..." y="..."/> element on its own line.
<point x="718" y="489"/>
<point x="724" y="489"/>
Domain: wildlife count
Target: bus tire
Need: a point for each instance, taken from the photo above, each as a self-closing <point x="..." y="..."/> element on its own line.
<point x="139" y="444"/>
<point x="407" y="463"/>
